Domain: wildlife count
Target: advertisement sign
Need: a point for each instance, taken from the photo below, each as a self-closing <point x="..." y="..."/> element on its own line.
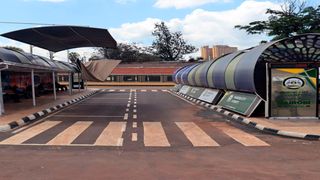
<point x="243" y="103"/>
<point x="195" y="92"/>
<point x="293" y="92"/>
<point x="184" y="89"/>
<point x="177" y="87"/>
<point x="209" y="95"/>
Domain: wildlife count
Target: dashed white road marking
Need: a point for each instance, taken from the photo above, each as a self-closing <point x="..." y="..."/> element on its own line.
<point x="154" y="90"/>
<point x="164" y="90"/>
<point x="126" y="115"/>
<point x="127" y="110"/>
<point x="128" y="105"/>
<point x="134" y="124"/>
<point x="122" y="90"/>
<point x="111" y="90"/>
<point x="134" y="137"/>
<point x="143" y="90"/>
<point x="134" y="110"/>
<point x="135" y="106"/>
<point x="134" y="116"/>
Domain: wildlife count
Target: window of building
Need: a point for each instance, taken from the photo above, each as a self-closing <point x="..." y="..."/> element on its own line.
<point x="130" y="78"/>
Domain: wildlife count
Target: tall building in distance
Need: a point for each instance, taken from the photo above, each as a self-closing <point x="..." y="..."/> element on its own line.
<point x="216" y="51"/>
<point x="206" y="53"/>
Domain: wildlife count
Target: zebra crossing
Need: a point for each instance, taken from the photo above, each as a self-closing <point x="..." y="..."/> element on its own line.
<point x="113" y="135"/>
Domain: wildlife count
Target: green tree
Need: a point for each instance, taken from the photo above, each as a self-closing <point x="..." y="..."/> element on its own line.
<point x="128" y="53"/>
<point x="169" y="46"/>
<point x="73" y="57"/>
<point x="293" y="18"/>
<point x="13" y="48"/>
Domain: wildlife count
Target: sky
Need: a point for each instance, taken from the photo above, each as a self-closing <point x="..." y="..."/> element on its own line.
<point x="202" y="22"/>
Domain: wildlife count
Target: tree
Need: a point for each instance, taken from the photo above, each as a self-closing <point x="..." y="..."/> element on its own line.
<point x="73" y="57"/>
<point x="128" y="53"/>
<point x="293" y="18"/>
<point x="169" y="46"/>
<point x="13" y="48"/>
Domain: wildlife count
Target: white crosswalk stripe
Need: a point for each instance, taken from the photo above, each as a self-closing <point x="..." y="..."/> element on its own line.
<point x="196" y="135"/>
<point x="112" y="135"/>
<point x="154" y="134"/>
<point x="70" y="134"/>
<point x="30" y="133"/>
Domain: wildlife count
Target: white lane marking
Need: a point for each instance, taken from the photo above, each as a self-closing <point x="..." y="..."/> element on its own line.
<point x="70" y="134"/>
<point x="134" y="110"/>
<point x="154" y="90"/>
<point x="30" y="133"/>
<point x="122" y="90"/>
<point x="127" y="110"/>
<point x="135" y="106"/>
<point x="126" y="115"/>
<point x="164" y="90"/>
<point x="135" y="102"/>
<point x="134" y="116"/>
<point x="240" y="136"/>
<point x="111" y="90"/>
<point x="84" y="116"/>
<point x="196" y="135"/>
<point x="128" y="105"/>
<point x="134" y="137"/>
<point x="154" y="135"/>
<point x="143" y="90"/>
<point x="134" y="124"/>
<point x="111" y="135"/>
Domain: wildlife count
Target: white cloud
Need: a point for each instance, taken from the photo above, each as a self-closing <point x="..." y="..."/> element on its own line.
<point x="179" y="4"/>
<point x="125" y="1"/>
<point x="202" y="27"/>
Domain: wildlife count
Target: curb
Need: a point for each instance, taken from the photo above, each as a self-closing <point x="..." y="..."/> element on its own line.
<point x="39" y="115"/>
<point x="249" y="123"/>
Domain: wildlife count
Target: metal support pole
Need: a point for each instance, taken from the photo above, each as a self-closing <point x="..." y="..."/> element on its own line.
<point x="79" y="85"/>
<point x="1" y="97"/>
<point x="54" y="85"/>
<point x="70" y="84"/>
<point x="33" y="88"/>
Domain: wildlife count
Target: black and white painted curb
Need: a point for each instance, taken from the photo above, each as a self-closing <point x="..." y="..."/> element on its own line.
<point x="39" y="115"/>
<point x="252" y="124"/>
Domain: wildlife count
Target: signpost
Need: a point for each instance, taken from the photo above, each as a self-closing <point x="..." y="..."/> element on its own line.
<point x="293" y="92"/>
<point x="195" y="92"/>
<point x="243" y="103"/>
<point x="210" y="96"/>
<point x="184" y="89"/>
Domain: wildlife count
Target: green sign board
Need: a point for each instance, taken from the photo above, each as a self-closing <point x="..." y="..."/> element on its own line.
<point x="242" y="103"/>
<point x="293" y="92"/>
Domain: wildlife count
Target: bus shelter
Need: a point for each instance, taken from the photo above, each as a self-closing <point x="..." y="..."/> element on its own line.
<point x="53" y="39"/>
<point x="281" y="75"/>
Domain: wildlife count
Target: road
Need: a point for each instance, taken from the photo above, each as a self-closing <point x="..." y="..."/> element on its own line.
<point x="149" y="133"/>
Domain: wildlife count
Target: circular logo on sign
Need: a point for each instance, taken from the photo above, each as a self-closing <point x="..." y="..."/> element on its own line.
<point x="293" y="83"/>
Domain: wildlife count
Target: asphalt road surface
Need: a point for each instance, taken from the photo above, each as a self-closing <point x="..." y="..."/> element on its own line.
<point x="149" y="133"/>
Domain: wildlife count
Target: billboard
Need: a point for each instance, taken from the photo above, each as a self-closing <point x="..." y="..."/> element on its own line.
<point x="243" y="103"/>
<point x="293" y="92"/>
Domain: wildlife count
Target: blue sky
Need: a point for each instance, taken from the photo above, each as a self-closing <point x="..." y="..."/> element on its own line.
<point x="203" y="22"/>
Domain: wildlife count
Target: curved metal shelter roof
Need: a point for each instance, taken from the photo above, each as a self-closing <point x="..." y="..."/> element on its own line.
<point x="246" y="70"/>
<point x="59" y="38"/>
<point x="21" y="61"/>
